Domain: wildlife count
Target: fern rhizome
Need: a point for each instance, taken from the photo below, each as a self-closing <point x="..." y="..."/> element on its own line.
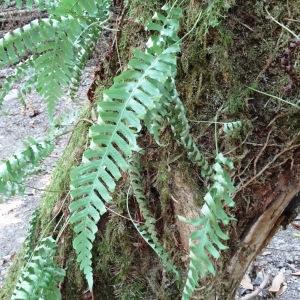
<point x="49" y="55"/>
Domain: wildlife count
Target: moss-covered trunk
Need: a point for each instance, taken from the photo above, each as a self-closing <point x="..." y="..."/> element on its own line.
<point x="219" y="61"/>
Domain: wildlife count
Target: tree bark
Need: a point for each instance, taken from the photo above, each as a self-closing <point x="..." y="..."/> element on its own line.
<point x="214" y="72"/>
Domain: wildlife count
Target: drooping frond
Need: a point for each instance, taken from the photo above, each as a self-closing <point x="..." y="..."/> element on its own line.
<point x="206" y="242"/>
<point x="147" y="229"/>
<point x="113" y="140"/>
<point x="181" y="129"/>
<point x="13" y="170"/>
<point x="57" y="44"/>
<point x="40" y="277"/>
<point x="30" y="238"/>
<point x="84" y="48"/>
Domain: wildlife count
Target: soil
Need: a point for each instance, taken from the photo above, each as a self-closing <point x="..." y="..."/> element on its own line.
<point x="16" y="124"/>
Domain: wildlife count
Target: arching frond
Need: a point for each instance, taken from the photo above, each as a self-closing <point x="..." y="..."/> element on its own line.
<point x="41" y="276"/>
<point x="206" y="242"/>
<point x="147" y="230"/>
<point x="13" y="170"/>
<point x="113" y="140"/>
<point x="58" y="45"/>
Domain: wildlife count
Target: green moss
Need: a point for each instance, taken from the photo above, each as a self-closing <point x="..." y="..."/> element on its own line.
<point x="12" y="276"/>
<point x="61" y="176"/>
<point x="142" y="11"/>
<point x="60" y="183"/>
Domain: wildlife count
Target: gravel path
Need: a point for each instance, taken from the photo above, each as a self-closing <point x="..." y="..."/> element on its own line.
<point x="16" y="124"/>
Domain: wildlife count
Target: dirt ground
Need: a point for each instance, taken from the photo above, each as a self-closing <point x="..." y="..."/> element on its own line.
<point x="16" y="124"/>
<point x="282" y="254"/>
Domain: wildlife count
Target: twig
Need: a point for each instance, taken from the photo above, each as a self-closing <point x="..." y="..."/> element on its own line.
<point x="262" y="151"/>
<point x="265" y="168"/>
<point x="258" y="290"/>
<point x="275" y="97"/>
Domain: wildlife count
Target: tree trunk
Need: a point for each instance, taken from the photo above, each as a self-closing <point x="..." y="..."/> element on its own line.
<point x="215" y="69"/>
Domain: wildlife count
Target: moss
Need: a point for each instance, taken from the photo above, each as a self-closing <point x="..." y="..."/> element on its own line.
<point x="142" y="11"/>
<point x="52" y="200"/>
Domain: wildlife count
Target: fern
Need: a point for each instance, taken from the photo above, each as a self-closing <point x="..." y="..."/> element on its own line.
<point x="13" y="170"/>
<point x="207" y="241"/>
<point x="113" y="140"/>
<point x="147" y="230"/>
<point x="181" y="129"/>
<point x="30" y="238"/>
<point x="40" y="277"/>
<point x="231" y="127"/>
<point x="56" y="44"/>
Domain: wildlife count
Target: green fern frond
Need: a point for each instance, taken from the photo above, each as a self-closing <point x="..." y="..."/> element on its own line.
<point x="40" y="277"/>
<point x="207" y="241"/>
<point x="57" y="43"/>
<point x="123" y="107"/>
<point x="147" y="230"/>
<point x="113" y="140"/>
<point x="13" y="170"/>
<point x="231" y="127"/>
<point x="30" y="238"/>
<point x="181" y="129"/>
<point x="84" y="49"/>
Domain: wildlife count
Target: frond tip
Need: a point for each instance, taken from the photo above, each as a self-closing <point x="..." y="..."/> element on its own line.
<point x="206" y="242"/>
<point x="147" y="230"/>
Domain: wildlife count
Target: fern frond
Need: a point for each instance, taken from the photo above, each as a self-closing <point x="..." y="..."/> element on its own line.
<point x="207" y="241"/>
<point x="84" y="48"/>
<point x="147" y="230"/>
<point x="230" y="127"/>
<point x="123" y="107"/>
<point x="30" y="238"/>
<point x="58" y="43"/>
<point x="40" y="277"/>
<point x="13" y="170"/>
<point x="181" y="129"/>
<point x="113" y="140"/>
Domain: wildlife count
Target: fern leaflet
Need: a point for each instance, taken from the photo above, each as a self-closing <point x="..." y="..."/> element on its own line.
<point x="40" y="277"/>
<point x="207" y="241"/>
<point x="147" y="230"/>
<point x="13" y="170"/>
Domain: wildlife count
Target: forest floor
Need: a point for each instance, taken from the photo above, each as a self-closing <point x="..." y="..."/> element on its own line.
<point x="282" y="256"/>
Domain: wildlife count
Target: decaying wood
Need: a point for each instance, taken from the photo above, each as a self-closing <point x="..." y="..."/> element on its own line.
<point x="262" y="229"/>
<point x="184" y="196"/>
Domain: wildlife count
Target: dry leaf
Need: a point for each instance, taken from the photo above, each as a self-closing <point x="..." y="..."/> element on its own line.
<point x="282" y="289"/>
<point x="246" y="283"/>
<point x="277" y="282"/>
<point x="296" y="273"/>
